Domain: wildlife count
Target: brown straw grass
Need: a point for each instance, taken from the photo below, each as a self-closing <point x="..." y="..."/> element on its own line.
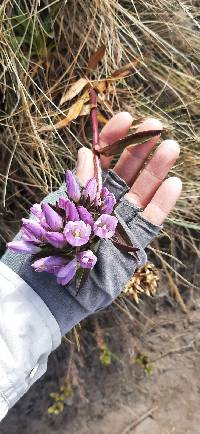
<point x="46" y="47"/>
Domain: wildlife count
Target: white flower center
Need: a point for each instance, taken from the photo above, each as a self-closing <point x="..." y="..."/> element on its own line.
<point x="77" y="233"/>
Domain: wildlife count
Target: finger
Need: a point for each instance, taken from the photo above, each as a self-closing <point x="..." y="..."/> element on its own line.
<point x="85" y="165"/>
<point x="153" y="174"/>
<point x="117" y="128"/>
<point x="163" y="201"/>
<point x="133" y="157"/>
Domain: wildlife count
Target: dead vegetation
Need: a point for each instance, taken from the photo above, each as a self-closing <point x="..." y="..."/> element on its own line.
<point x="142" y="55"/>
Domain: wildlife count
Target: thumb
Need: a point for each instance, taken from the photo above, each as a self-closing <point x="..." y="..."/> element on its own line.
<point x="85" y="166"/>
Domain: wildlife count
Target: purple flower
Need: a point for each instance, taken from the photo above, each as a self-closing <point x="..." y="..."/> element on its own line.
<point x="53" y="219"/>
<point x="66" y="273"/>
<point x="90" y="189"/>
<point x="36" y="210"/>
<point x="87" y="259"/>
<point x="77" y="233"/>
<point x="29" y="237"/>
<point x="51" y="264"/>
<point x="56" y="239"/>
<point x="33" y="229"/>
<point x="73" y="189"/>
<point x="23" y="247"/>
<point x="85" y="215"/>
<point x="105" y="226"/>
<point x="108" y="201"/>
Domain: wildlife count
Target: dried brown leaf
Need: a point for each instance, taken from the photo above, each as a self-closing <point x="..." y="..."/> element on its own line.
<point x="74" y="90"/>
<point x="96" y="57"/>
<point x="122" y="241"/>
<point x="73" y="113"/>
<point x="100" y="85"/>
<point x="85" y="110"/>
<point x="101" y="118"/>
<point x="125" y="70"/>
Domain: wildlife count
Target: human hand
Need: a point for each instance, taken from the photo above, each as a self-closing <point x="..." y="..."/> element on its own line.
<point x="147" y="190"/>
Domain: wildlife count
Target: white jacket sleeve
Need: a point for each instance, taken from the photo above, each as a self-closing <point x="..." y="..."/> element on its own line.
<point x="28" y="334"/>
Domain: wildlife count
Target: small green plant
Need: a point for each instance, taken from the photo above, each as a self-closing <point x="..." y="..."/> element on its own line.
<point x="143" y="361"/>
<point x="60" y="398"/>
<point x="105" y="355"/>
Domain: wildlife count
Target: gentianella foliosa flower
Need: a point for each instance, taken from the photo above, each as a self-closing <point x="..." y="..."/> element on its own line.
<point x="63" y="238"/>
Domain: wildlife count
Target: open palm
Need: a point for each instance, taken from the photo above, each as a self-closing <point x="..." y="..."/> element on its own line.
<point x="148" y="187"/>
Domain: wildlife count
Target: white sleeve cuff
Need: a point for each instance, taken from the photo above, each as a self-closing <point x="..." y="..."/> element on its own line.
<point x="28" y="334"/>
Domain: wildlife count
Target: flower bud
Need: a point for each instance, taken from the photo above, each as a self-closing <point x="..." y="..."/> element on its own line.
<point x="33" y="228"/>
<point x="66" y="273"/>
<point x="90" y="190"/>
<point x="36" y="210"/>
<point x="51" y="264"/>
<point x="73" y="189"/>
<point x="85" y="215"/>
<point x="53" y="219"/>
<point x="23" y="247"/>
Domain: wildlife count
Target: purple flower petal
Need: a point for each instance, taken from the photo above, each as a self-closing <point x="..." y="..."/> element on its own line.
<point x="34" y="228"/>
<point x="29" y="237"/>
<point x="73" y="189"/>
<point x="87" y="259"/>
<point x="90" y="189"/>
<point x="70" y="208"/>
<point x="105" y="226"/>
<point x="66" y="273"/>
<point x="62" y="201"/>
<point x="71" y="211"/>
<point x="23" y="247"/>
<point x="36" y="210"/>
<point x="85" y="215"/>
<point x="53" y="219"/>
<point x="51" y="264"/>
<point x="56" y="239"/>
<point x="77" y="233"/>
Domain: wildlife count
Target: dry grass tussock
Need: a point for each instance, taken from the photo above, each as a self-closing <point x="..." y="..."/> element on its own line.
<point x="45" y="48"/>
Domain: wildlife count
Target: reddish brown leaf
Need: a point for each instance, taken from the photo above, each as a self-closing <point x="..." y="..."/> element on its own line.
<point x="132" y="139"/>
<point x="96" y="57"/>
<point x="122" y="241"/>
<point x="125" y="70"/>
<point x="74" y="90"/>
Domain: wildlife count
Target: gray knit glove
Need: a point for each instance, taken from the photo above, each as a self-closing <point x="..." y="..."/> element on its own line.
<point x="111" y="272"/>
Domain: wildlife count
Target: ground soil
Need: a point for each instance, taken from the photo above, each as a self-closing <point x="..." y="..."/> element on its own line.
<point x="121" y="398"/>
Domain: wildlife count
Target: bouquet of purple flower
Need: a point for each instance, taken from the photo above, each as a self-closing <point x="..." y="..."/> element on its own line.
<point x="64" y="237"/>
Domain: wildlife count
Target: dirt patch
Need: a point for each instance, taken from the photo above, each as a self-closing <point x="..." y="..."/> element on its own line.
<point x="121" y="398"/>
